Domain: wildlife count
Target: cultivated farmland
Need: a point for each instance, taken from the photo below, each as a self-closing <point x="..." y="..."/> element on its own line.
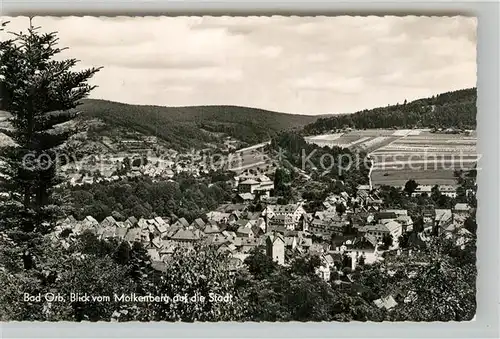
<point x="400" y="155"/>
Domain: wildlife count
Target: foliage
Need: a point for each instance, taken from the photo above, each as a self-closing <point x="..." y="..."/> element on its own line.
<point x="193" y="127"/>
<point x="259" y="264"/>
<point x="455" y="109"/>
<point x="283" y="184"/>
<point x="78" y="269"/>
<point x="298" y="294"/>
<point x="39" y="91"/>
<point x="442" y="290"/>
<point x="199" y="273"/>
<point x="185" y="197"/>
<point x="410" y="186"/>
<point x="339" y="168"/>
<point x="340" y="208"/>
<point x="434" y="283"/>
<point x="387" y="241"/>
<point x="394" y="197"/>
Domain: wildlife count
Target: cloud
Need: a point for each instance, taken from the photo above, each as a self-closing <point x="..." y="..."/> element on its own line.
<point x="307" y="65"/>
<point x="323" y="83"/>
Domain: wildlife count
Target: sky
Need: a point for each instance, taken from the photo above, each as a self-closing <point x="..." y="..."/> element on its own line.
<point x="299" y="65"/>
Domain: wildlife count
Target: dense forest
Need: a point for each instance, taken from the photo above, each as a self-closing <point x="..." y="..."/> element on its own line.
<point x="194" y="126"/>
<point x="184" y="196"/>
<point x="455" y="109"/>
<point x="335" y="167"/>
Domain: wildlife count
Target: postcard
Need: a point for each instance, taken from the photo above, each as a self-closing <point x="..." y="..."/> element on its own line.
<point x="260" y="168"/>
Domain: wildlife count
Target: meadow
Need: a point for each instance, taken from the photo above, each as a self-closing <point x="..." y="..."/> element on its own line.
<point x="400" y="155"/>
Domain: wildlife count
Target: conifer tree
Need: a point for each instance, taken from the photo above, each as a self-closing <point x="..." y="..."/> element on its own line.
<point x="40" y="93"/>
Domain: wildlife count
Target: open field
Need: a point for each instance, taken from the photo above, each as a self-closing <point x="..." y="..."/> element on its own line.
<point x="400" y="155"/>
<point x="400" y="177"/>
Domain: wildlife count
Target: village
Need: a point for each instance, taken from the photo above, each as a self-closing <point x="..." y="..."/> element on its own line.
<point x="148" y="156"/>
<point x="242" y="169"/>
<point x="356" y="228"/>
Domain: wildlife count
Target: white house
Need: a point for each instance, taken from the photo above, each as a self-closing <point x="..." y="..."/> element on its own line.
<point x="378" y="231"/>
<point x="275" y="247"/>
<point x="295" y="211"/>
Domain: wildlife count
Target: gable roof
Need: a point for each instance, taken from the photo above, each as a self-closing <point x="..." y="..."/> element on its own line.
<point x="142" y="223"/>
<point x="217" y="216"/>
<point x="160" y="221"/>
<point x="162" y="228"/>
<point x="385" y="215"/>
<point x="109" y="231"/>
<point x="275" y="237"/>
<point x="216" y="239"/>
<point x="109" y="219"/>
<point x="69" y="220"/>
<point x="246" y="196"/>
<point x="133" y="234"/>
<point x="228" y="208"/>
<point x="185" y="235"/>
<point x="366" y="242"/>
<point x="250" y="242"/>
<point x="264" y="178"/>
<point x="257" y="230"/>
<point x="172" y="230"/>
<point x="199" y="223"/>
<point x="244" y="230"/>
<point x="393" y="226"/>
<point x="153" y="253"/>
<point x="91" y="220"/>
<point x="443" y="214"/>
<point x="404" y="219"/>
<point x="183" y="222"/>
<point x="457" y="229"/>
<point x="211" y="228"/>
<point x="121" y="232"/>
<point x="374" y="228"/>
<point x="242" y="222"/>
<point x="289" y="208"/>
<point x="253" y="215"/>
<point x="249" y="182"/>
<point x="229" y="234"/>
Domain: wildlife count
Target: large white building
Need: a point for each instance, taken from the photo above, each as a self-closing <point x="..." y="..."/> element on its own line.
<point x="287" y="216"/>
<point x="378" y="231"/>
<point x="262" y="185"/>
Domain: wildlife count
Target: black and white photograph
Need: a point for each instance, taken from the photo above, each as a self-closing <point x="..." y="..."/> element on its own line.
<point x="238" y="168"/>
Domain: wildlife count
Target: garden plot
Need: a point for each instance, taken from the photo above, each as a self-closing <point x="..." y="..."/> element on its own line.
<point x="429" y="157"/>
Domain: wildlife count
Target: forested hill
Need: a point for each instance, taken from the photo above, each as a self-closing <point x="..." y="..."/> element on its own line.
<point x="193" y="126"/>
<point x="455" y="109"/>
